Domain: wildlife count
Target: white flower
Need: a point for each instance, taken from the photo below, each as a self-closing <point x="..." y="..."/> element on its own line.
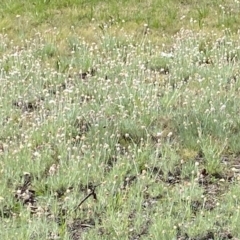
<point x="167" y="55"/>
<point x="170" y="134"/>
<point x="222" y="107"/>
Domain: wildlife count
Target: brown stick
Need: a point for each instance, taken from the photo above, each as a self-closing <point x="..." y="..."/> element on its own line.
<point x="90" y="194"/>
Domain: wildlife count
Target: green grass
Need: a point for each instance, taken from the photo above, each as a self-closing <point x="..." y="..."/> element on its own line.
<point x="119" y="121"/>
<point x="21" y="19"/>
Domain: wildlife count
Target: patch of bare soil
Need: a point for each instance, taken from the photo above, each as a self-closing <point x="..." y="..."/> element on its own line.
<point x="111" y="161"/>
<point x="210" y="235"/>
<point x="28" y="106"/>
<point x="172" y="177"/>
<point x="232" y="163"/>
<point x="214" y="186"/>
<point x="134" y="235"/>
<point x="128" y="181"/>
<point x="82" y="126"/>
<point x="150" y="201"/>
<point x="87" y="74"/>
<point x="24" y="193"/>
<point x="78" y="226"/>
<point x="6" y="212"/>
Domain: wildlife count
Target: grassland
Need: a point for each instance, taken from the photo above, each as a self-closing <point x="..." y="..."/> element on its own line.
<point x="119" y="120"/>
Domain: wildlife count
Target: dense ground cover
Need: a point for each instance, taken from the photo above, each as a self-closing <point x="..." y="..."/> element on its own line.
<point x="119" y="121"/>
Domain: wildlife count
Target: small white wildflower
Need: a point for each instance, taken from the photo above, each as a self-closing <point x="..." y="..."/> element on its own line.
<point x="222" y="107"/>
<point x="126" y="135"/>
<point x="106" y="146"/>
<point x="53" y="169"/>
<point x="52" y="102"/>
<point x="166" y="55"/>
<point x="170" y="134"/>
<point x="159" y="134"/>
<point x="182" y="17"/>
<point x="66" y="199"/>
<point x="36" y="154"/>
